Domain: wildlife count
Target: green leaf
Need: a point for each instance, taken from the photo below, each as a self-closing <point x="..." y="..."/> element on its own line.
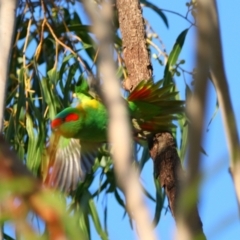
<point x="148" y="194"/>
<point x="184" y="138"/>
<point x="7" y="237"/>
<point x="21" y="95"/>
<point x="53" y="75"/>
<point x="214" y="114"/>
<point x="145" y="157"/>
<point x="105" y="218"/>
<point x="36" y="114"/>
<point x="49" y="98"/>
<point x="67" y="88"/>
<point x="157" y="10"/>
<point x="96" y="220"/>
<point x="84" y="224"/>
<point x="173" y="57"/>
<point x="159" y="202"/>
<point x="203" y="151"/>
<point x="34" y="151"/>
<point x="119" y="199"/>
<point x="11" y="128"/>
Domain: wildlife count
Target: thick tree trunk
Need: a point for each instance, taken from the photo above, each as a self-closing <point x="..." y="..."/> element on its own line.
<point x="162" y="147"/>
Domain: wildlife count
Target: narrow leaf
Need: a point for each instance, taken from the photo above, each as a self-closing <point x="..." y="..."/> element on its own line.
<point x="173" y="57"/>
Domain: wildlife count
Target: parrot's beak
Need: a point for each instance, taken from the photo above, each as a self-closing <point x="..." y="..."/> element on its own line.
<point x="56" y="123"/>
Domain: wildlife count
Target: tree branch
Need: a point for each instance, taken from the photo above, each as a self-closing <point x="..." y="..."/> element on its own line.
<point x="7" y="26"/>
<point x="220" y="81"/>
<point x="119" y="130"/>
<point x="188" y="227"/>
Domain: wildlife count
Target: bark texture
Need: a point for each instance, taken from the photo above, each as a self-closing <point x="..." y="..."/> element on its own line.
<point x="168" y="168"/>
<point x="135" y="51"/>
<point x="162" y="147"/>
<point x="167" y="165"/>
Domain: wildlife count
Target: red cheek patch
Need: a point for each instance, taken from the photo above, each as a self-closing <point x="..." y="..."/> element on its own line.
<point x="56" y="122"/>
<point x="71" y="117"/>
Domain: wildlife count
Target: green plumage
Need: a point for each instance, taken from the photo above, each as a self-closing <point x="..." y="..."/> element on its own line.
<point x="151" y="109"/>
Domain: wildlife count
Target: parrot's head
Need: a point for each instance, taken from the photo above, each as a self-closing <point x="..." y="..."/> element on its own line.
<point x="67" y="123"/>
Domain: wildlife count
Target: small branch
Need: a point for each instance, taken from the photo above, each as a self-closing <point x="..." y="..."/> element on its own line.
<point x="178" y="14"/>
<point x="158" y="49"/>
<point x="66" y="47"/>
<point x="26" y="42"/>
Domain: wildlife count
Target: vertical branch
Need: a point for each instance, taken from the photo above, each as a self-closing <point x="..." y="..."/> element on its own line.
<point x="119" y="128"/>
<point x="7" y="26"/>
<point x="209" y="55"/>
<point x="220" y="81"/>
<point x="189" y="227"/>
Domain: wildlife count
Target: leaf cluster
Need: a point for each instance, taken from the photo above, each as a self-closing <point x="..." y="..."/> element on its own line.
<point x="54" y="52"/>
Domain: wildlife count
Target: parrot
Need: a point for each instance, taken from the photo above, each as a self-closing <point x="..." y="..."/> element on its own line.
<point x="79" y="131"/>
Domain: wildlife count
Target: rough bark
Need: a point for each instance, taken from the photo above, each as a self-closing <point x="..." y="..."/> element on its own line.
<point x="162" y="147"/>
<point x="167" y="165"/>
<point x="135" y="52"/>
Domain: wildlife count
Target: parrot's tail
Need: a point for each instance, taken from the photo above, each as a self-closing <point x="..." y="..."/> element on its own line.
<point x="154" y="107"/>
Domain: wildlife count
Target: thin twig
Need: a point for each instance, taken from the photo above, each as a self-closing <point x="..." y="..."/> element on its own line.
<point x="178" y="14"/>
<point x="158" y="49"/>
<point x="66" y="47"/>
<point x="26" y="42"/>
<point x="27" y="81"/>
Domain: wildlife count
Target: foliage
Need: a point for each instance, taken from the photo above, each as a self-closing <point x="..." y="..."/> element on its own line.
<point x="53" y="53"/>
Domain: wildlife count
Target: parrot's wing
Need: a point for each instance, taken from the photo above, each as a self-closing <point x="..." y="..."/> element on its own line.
<point x="67" y="162"/>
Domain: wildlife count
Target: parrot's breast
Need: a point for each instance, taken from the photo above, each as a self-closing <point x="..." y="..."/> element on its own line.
<point x="94" y="122"/>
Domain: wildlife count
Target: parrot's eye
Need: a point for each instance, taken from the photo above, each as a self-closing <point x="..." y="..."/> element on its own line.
<point x="71" y="117"/>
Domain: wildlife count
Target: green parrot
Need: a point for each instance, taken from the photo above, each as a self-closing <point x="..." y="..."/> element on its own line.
<point x="78" y="132"/>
